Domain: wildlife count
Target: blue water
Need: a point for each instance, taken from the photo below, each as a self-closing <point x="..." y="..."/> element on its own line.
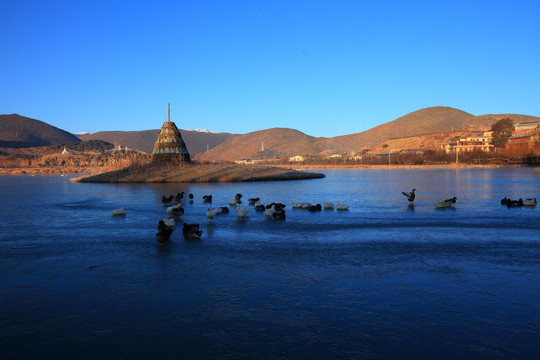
<point x="383" y="280"/>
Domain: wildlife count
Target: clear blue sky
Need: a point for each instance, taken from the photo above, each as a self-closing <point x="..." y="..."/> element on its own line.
<point x="326" y="68"/>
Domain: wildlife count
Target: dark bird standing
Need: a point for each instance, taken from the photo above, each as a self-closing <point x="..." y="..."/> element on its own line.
<point x="410" y="195"/>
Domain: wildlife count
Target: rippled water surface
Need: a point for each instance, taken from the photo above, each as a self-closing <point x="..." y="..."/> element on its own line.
<point x="383" y="280"/>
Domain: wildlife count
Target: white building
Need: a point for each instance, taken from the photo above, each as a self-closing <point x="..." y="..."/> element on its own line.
<point x="297" y="158"/>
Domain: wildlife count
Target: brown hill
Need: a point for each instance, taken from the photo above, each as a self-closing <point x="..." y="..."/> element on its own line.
<point x="424" y="121"/>
<point x="280" y="142"/>
<point x="270" y="143"/>
<point x="431" y="141"/>
<point x="18" y="131"/>
<point x="196" y="141"/>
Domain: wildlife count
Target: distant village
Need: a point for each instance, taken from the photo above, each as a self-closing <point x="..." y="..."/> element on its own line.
<point x="523" y="134"/>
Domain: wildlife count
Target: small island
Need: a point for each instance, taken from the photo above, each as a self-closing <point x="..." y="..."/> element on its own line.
<point x="198" y="173"/>
<point x="171" y="162"/>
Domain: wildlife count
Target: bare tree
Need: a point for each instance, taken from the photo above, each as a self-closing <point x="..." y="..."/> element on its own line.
<point x="502" y="130"/>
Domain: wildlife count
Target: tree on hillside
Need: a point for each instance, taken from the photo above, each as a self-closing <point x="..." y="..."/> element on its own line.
<point x="502" y="130"/>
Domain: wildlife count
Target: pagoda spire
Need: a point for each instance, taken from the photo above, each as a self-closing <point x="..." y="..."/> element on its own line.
<point x="169" y="145"/>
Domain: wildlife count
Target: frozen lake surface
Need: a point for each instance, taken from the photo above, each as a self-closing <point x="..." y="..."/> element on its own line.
<point x="383" y="280"/>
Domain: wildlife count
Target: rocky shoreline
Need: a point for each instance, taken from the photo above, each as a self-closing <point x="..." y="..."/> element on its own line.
<point x="198" y="173"/>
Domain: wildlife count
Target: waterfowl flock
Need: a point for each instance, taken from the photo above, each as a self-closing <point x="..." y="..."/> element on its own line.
<point x="449" y="203"/>
<point x="530" y="202"/>
<point x="272" y="211"/>
<point x="169" y="200"/>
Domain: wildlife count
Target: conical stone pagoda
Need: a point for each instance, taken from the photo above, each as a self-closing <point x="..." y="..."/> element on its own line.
<point x="169" y="146"/>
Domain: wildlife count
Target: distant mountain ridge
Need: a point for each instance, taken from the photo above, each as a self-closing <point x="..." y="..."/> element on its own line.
<point x="289" y="142"/>
<point x="204" y="145"/>
<point x="18" y="131"/>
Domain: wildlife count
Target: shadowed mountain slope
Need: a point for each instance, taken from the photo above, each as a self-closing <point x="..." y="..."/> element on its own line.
<point x="18" y="131"/>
